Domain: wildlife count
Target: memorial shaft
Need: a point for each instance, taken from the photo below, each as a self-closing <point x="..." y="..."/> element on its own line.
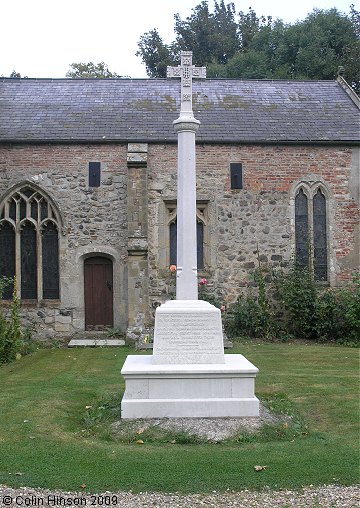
<point x="186" y="127"/>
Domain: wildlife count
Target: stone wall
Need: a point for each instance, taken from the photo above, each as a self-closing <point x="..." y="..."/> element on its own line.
<point x="256" y="222"/>
<point x="94" y="218"/>
<point x="127" y="218"/>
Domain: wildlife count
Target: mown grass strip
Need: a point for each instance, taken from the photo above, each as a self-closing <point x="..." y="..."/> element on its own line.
<point x="49" y="433"/>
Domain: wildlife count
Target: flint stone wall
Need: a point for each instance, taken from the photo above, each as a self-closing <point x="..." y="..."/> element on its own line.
<point x="127" y="218"/>
<point x="95" y="223"/>
<point x="255" y="223"/>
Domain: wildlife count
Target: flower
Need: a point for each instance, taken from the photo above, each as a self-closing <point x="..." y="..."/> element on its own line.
<point x="172" y="268"/>
<point x="203" y="282"/>
<point x="223" y="308"/>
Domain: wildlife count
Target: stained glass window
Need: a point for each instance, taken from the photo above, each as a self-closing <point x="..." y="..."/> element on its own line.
<point x="34" y="210"/>
<point x="12" y="210"/>
<point x="320" y="236"/>
<point x="50" y="261"/>
<point x="311" y="233"/>
<point x="301" y="229"/>
<point x="28" y="262"/>
<point x="22" y="204"/>
<point x="7" y="256"/>
<point x="43" y="209"/>
<point x="28" y="215"/>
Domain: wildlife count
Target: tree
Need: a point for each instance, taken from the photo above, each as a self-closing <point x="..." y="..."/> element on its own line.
<point x="155" y="54"/>
<point x="258" y="46"/>
<point x="90" y="70"/>
<point x="322" y="38"/>
<point x="16" y="75"/>
<point x="212" y="37"/>
<point x="250" y="25"/>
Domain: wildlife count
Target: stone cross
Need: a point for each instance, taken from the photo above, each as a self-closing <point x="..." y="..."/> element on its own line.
<point x="188" y="374"/>
<point x="186" y="71"/>
<point x="186" y="126"/>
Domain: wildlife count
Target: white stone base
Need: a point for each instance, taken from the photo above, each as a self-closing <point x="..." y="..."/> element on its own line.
<point x="189" y="390"/>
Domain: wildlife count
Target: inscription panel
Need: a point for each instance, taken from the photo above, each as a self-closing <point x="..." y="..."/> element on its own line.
<point x="189" y="337"/>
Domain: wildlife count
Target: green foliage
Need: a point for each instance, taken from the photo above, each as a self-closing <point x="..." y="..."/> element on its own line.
<point x="10" y="329"/>
<point x="252" y="314"/>
<point x="209" y="297"/>
<point x="324" y="314"/>
<point x="90" y="70"/>
<point x="296" y="290"/>
<point x="291" y="304"/>
<point x="15" y="340"/>
<point x="348" y="313"/>
<point x="258" y="46"/>
<point x="212" y="37"/>
<point x="155" y="54"/>
<point x="115" y="333"/>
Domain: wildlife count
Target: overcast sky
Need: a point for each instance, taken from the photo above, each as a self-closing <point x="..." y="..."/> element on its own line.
<point x="40" y="38"/>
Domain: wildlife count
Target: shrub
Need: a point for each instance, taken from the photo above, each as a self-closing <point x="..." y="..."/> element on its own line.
<point x="291" y="304"/>
<point x="252" y="314"/>
<point x="296" y="291"/>
<point x="10" y="329"/>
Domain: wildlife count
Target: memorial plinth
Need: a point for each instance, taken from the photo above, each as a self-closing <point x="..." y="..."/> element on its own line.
<point x="192" y="390"/>
<point x="188" y="374"/>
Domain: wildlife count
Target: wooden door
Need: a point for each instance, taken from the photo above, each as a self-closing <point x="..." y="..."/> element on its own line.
<point x="98" y="290"/>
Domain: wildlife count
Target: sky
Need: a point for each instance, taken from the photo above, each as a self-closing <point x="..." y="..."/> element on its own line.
<point x="41" y="38"/>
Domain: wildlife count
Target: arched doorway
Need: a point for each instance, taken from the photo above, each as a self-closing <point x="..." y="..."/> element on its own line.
<point x="98" y="293"/>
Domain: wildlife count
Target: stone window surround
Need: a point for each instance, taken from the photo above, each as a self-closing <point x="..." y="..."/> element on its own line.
<point x="310" y="185"/>
<point x="56" y="219"/>
<point x="169" y="213"/>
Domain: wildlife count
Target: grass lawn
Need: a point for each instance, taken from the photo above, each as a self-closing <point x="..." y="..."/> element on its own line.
<point x="43" y="408"/>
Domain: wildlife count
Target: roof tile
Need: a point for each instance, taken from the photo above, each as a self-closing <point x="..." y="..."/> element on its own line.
<point x="139" y="110"/>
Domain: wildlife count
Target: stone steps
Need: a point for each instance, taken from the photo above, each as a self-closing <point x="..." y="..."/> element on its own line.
<point x="96" y="343"/>
<point x="94" y="339"/>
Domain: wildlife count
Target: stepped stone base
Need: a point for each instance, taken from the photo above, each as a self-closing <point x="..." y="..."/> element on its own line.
<point x="188" y="374"/>
<point x="189" y="390"/>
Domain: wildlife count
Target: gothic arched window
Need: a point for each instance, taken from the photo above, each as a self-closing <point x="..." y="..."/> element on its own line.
<point x="199" y="246"/>
<point x="311" y="241"/>
<point x="201" y="222"/>
<point x="29" y="244"/>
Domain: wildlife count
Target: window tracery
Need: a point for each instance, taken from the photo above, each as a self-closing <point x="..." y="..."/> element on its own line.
<point x="29" y="243"/>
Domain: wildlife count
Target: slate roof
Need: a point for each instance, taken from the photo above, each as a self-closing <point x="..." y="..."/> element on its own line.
<point x="129" y="110"/>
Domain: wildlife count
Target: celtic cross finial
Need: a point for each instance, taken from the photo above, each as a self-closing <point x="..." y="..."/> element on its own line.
<point x="186" y="71"/>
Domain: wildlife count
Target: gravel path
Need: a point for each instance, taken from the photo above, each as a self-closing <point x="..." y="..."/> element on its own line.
<point x="311" y="497"/>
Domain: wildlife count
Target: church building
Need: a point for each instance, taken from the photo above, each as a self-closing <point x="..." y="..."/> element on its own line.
<point x="88" y="192"/>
